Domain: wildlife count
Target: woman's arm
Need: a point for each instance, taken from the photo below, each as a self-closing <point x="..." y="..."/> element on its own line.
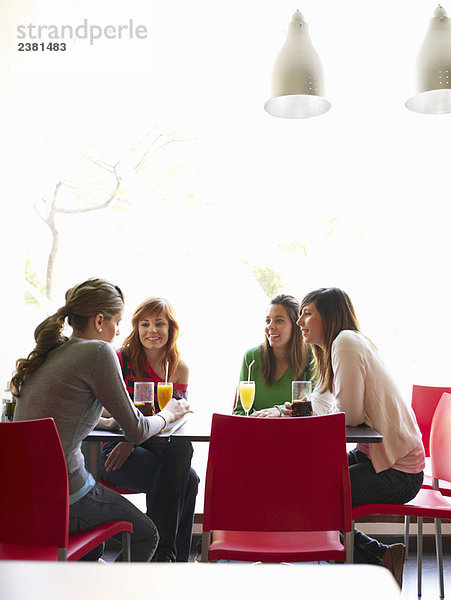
<point x="348" y="366"/>
<point x="106" y="421"/>
<point x="108" y="386"/>
<point x="323" y="403"/>
<point x="182" y="373"/>
<point x="264" y="413"/>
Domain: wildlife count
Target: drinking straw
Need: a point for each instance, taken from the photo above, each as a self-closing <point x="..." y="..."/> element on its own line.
<point x="249" y="376"/>
<point x="167" y="369"/>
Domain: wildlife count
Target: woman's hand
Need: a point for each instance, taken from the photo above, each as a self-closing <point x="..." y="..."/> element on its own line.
<point x="265" y="413"/>
<point x="118" y="455"/>
<point x="108" y="423"/>
<point x="286" y="409"/>
<point x="175" y="409"/>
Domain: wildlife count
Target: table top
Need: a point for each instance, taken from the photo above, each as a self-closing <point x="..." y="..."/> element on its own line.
<point x="197" y="429"/>
<point x="363" y="434"/>
<point x="193" y="581"/>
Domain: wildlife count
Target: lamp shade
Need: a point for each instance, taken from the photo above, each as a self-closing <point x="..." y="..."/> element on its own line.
<point x="434" y="68"/>
<point x="297" y="81"/>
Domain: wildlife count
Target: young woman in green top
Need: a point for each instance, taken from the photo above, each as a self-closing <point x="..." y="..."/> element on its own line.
<point x="282" y="358"/>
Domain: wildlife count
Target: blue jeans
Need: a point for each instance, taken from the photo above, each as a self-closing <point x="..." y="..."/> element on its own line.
<point x="101" y="505"/>
<point x="162" y="470"/>
<point x="389" y="487"/>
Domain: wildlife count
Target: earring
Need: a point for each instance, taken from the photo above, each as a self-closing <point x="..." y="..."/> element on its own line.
<point x="100" y="330"/>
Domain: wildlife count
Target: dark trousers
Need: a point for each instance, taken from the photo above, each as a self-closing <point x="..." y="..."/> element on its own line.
<point x="389" y="487"/>
<point x="162" y="470"/>
<point x="101" y="505"/>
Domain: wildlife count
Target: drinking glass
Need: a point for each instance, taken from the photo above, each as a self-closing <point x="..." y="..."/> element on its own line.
<point x="247" y="395"/>
<point x="301" y="404"/>
<point x="143" y="397"/>
<point x="164" y="393"/>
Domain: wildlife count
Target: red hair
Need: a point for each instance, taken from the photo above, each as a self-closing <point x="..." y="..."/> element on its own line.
<point x="132" y="346"/>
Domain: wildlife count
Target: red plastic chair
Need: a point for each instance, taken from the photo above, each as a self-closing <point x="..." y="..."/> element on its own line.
<point x="427" y="503"/>
<point x="34" y="498"/>
<point x="424" y="402"/>
<point x="277" y="490"/>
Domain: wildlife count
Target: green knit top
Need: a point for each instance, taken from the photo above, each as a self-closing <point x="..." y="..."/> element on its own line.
<point x="266" y="396"/>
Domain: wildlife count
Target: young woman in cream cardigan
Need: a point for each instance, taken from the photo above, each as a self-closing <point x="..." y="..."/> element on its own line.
<point x="348" y="366"/>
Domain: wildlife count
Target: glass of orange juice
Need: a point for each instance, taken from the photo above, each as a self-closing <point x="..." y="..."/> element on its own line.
<point x="164" y="393"/>
<point x="247" y="395"/>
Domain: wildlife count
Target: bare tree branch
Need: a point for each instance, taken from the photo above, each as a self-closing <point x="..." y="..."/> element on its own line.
<point x="69" y="211"/>
<point x="47" y="212"/>
<point x="55" y="242"/>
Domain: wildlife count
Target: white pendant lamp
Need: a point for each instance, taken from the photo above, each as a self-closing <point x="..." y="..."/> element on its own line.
<point x="297" y="82"/>
<point x="434" y="68"/>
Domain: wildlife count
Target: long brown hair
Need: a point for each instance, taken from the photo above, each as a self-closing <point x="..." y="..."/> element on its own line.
<point x="83" y="301"/>
<point x="298" y="353"/>
<point x="337" y="313"/>
<point x="132" y="346"/>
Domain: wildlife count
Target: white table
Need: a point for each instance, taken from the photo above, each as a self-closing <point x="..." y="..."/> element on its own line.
<point x="193" y="581"/>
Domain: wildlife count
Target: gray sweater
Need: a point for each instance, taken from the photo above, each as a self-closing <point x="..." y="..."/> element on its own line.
<point x="74" y="382"/>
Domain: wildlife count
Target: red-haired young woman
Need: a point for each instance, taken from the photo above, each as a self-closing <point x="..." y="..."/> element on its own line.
<point x="161" y="470"/>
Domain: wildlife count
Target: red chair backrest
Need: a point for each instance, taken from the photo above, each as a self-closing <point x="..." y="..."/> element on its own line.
<point x="441" y="440"/>
<point x="34" y="494"/>
<point x="277" y="474"/>
<point x="424" y="402"/>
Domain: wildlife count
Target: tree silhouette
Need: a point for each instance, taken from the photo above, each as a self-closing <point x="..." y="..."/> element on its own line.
<point x="84" y="198"/>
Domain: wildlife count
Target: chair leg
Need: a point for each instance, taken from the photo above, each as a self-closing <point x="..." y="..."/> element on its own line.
<point x="439" y="551"/>
<point x="126" y="546"/>
<point x="205" y="546"/>
<point x="62" y="553"/>
<point x="419" y="553"/>
<point x="349" y="545"/>
<point x="406" y="534"/>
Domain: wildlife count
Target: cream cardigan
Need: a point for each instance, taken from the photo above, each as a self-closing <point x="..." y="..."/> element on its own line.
<point x="366" y="393"/>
